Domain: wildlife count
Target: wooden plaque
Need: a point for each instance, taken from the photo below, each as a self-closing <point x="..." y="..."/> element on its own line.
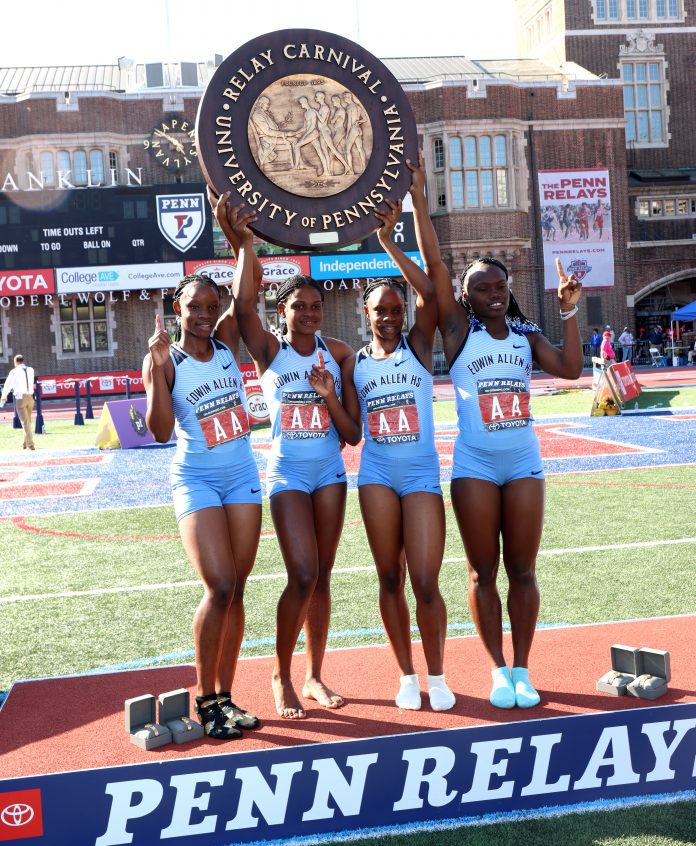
<point x="309" y="130"/>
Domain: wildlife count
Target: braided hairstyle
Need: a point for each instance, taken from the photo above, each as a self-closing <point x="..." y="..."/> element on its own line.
<point x="384" y="282"/>
<point x="518" y="321"/>
<point x="181" y="287"/>
<point x="288" y="287"/>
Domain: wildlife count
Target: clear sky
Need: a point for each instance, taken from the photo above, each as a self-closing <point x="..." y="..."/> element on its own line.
<point x="66" y="32"/>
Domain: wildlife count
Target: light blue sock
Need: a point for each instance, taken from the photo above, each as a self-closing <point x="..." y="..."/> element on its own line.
<point x="525" y="695"/>
<point x="502" y="692"/>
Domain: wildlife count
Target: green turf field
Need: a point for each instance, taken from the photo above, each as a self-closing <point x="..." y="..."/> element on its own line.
<point x="42" y="636"/>
<point x="666" y="825"/>
<point x="110" y="617"/>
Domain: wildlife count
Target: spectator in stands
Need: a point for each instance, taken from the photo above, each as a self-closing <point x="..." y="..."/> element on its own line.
<point x="692" y="353"/>
<point x="626" y="341"/>
<point x="606" y="350"/>
<point x="655" y="337"/>
<point x="595" y="342"/>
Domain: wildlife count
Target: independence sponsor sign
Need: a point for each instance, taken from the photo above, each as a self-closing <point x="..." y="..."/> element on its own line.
<point x="431" y="778"/>
<point x="123" y="277"/>
<point x="358" y="266"/>
<point x="576" y="226"/>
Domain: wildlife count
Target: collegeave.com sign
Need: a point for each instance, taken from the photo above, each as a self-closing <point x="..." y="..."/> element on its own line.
<point x="426" y="777"/>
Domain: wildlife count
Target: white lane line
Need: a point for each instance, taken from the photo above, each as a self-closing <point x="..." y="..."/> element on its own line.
<point x="337" y="571"/>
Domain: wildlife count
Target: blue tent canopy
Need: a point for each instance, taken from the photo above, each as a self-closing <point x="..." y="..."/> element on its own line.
<point x="687" y="312"/>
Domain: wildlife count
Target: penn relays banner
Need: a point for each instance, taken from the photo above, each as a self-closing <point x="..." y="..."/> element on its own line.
<point x="430" y="778"/>
<point x="576" y="226"/>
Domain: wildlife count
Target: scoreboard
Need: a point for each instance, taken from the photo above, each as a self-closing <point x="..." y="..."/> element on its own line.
<point x="93" y="226"/>
<point x="124" y="225"/>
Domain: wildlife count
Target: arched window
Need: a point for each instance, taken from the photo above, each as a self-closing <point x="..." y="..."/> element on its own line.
<point x="456" y="173"/>
<point x="64" y="164"/>
<point x="96" y="166"/>
<point x="47" y="170"/>
<point x="79" y="167"/>
<point x="439" y="166"/>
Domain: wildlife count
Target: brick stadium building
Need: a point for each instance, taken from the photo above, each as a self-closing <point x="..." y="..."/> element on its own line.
<point x="84" y="152"/>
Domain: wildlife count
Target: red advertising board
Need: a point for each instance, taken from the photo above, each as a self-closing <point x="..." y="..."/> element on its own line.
<point x="55" y="387"/>
<point x="16" y="283"/>
<point x="275" y="268"/>
<point x="626" y="382"/>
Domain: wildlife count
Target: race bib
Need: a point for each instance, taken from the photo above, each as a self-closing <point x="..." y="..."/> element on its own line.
<point x="504" y="404"/>
<point x="223" y="419"/>
<point x="393" y="419"/>
<point x="303" y="415"/>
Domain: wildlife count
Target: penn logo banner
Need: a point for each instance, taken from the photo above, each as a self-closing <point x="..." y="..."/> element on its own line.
<point x="181" y="218"/>
<point x="576" y="226"/>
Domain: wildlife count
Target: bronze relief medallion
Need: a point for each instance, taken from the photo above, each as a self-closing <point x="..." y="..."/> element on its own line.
<point x="309" y="130"/>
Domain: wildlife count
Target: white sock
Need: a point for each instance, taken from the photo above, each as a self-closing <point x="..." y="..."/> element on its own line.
<point x="441" y="697"/>
<point x="525" y="695"/>
<point x="409" y="695"/>
<point x="502" y="692"/>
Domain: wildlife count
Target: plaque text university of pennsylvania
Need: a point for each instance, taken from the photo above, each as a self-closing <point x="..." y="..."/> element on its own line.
<point x="309" y="130"/>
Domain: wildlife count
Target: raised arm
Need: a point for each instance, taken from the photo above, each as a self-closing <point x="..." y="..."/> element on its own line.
<point x="452" y="320"/>
<point x="262" y="345"/>
<point x="158" y="378"/>
<point x="220" y="205"/>
<point x="567" y="362"/>
<point x="423" y="330"/>
<point x="227" y="329"/>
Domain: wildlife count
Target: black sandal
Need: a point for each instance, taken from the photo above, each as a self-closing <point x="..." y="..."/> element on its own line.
<point x="240" y="717"/>
<point x="214" y="721"/>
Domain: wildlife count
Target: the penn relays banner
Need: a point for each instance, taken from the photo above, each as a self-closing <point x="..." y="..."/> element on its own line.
<point x="420" y="779"/>
<point x="576" y="226"/>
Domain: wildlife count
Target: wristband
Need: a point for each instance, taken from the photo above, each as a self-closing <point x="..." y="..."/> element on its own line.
<point x="566" y="315"/>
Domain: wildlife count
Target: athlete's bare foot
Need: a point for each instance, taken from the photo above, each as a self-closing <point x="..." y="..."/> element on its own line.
<point x="317" y="690"/>
<point x="287" y="702"/>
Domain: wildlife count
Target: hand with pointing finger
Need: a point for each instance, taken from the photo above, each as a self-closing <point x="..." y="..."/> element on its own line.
<point x="320" y="378"/>
<point x="569" y="288"/>
<point x="159" y="344"/>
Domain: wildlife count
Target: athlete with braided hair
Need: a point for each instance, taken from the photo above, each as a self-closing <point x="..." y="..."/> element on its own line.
<point x="303" y="377"/>
<point x="195" y="387"/>
<point x="399" y="478"/>
<point x="498" y="480"/>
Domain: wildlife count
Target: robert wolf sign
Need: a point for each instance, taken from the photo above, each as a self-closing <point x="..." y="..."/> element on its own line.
<point x="435" y="777"/>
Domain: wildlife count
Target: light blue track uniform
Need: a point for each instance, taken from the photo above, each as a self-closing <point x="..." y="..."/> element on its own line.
<point x="305" y="451"/>
<point x="396" y="401"/>
<point x="214" y="464"/>
<point x="496" y="440"/>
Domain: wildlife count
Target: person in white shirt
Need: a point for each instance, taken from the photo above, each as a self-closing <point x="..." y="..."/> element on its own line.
<point x="20" y="380"/>
<point x="626" y="341"/>
<point x="692" y="354"/>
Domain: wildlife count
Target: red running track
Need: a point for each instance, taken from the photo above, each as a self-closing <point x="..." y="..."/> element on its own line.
<point x="57" y="725"/>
